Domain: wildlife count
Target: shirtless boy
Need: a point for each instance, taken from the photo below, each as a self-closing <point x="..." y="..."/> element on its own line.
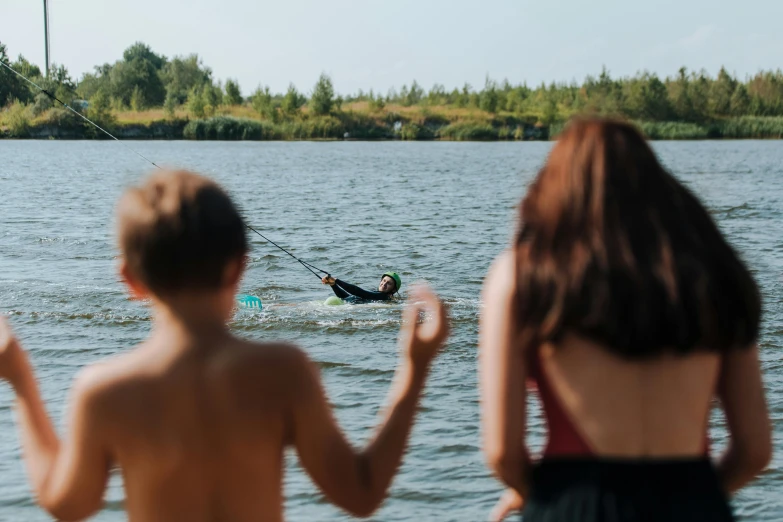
<point x="196" y="418"/>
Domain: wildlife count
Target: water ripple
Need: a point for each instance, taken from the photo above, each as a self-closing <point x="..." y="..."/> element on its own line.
<point x="438" y="212"/>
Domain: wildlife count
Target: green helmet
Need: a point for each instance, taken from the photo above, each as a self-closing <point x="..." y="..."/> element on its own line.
<point x="397" y="280"/>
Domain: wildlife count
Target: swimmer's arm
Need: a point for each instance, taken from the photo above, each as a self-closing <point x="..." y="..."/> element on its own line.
<point x="358" y="481"/>
<point x="68" y="477"/>
<point x="339" y="292"/>
<point x="741" y="392"/>
<point x="361" y="293"/>
<point x="502" y="376"/>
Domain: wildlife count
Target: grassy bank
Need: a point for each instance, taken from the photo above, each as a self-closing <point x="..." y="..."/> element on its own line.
<point x="746" y="127"/>
<point x="353" y="121"/>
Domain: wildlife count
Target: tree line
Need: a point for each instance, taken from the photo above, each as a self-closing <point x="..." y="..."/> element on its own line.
<point x="143" y="79"/>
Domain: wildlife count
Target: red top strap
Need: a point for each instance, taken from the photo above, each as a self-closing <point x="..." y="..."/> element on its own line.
<point x="563" y="437"/>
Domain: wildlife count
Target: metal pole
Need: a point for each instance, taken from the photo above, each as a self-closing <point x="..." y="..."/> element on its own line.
<point x="46" y="34"/>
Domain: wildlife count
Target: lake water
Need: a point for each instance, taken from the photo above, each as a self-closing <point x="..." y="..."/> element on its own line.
<point x="437" y="212"/>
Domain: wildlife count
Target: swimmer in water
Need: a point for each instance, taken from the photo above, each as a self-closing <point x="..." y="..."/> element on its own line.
<point x="389" y="286"/>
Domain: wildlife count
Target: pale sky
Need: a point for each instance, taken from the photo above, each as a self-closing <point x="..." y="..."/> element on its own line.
<point x="374" y="44"/>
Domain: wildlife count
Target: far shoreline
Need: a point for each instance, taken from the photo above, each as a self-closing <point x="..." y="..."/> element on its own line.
<point x="352" y="126"/>
<point x="359" y="140"/>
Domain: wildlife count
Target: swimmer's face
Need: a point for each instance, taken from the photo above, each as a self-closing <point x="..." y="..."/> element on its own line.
<point x="387" y="285"/>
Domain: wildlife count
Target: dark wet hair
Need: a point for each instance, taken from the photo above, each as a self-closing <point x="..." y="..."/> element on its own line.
<point x="178" y="230"/>
<point x="613" y="248"/>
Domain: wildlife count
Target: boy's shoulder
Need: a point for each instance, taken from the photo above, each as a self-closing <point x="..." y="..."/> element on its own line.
<point x="94" y="389"/>
<point x="106" y="375"/>
<point x="278" y="365"/>
<point x="275" y="369"/>
<point x="279" y="359"/>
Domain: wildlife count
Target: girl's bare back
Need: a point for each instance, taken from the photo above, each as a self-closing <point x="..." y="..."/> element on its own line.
<point x="624" y="408"/>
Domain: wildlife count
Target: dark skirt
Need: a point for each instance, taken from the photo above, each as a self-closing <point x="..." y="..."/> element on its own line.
<point x="618" y="490"/>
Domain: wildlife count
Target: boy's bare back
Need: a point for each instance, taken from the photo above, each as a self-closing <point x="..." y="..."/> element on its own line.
<point x="199" y="430"/>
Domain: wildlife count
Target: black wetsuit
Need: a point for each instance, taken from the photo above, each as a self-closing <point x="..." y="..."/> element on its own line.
<point x="348" y="291"/>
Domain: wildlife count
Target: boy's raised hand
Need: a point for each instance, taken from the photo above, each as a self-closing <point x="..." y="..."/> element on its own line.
<point x="11" y="354"/>
<point x="424" y="339"/>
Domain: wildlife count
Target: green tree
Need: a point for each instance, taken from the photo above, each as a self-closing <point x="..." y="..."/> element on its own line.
<point x="137" y="102"/>
<point x="116" y="105"/>
<point x="437" y="95"/>
<point x="170" y="105"/>
<point x="720" y="93"/>
<point x="41" y="104"/>
<point x="233" y="95"/>
<point x="142" y="51"/>
<point x="489" y="97"/>
<point x="464" y="96"/>
<point x="452" y="97"/>
<point x="604" y="94"/>
<point x="292" y="101"/>
<point x="60" y="83"/>
<point x="656" y="100"/>
<point x="646" y="98"/>
<point x="11" y="86"/>
<point x="181" y="74"/>
<point x="414" y="95"/>
<point x="92" y="83"/>
<point x="679" y="96"/>
<point x="739" y="105"/>
<point x="699" y="91"/>
<point x="550" y="112"/>
<point x="766" y="93"/>
<point x="376" y="103"/>
<point x="756" y="106"/>
<point x="516" y="101"/>
<point x="139" y="72"/>
<point x="212" y="97"/>
<point x="404" y="97"/>
<point x="264" y="104"/>
<point x="208" y="100"/>
<point x="322" y="98"/>
<point x="59" y="75"/>
<point x="578" y="101"/>
<point x="26" y="68"/>
<point x="99" y="110"/>
<point x="196" y="103"/>
<point x="17" y="118"/>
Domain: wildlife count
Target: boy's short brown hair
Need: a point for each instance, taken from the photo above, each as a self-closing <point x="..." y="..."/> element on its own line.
<point x="178" y="230"/>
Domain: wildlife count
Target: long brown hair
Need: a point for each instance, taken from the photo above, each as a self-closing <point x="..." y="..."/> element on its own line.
<point x="612" y="247"/>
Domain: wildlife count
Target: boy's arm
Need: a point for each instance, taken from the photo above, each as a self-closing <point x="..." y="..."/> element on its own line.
<point x="357" y="481"/>
<point x="69" y="477"/>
